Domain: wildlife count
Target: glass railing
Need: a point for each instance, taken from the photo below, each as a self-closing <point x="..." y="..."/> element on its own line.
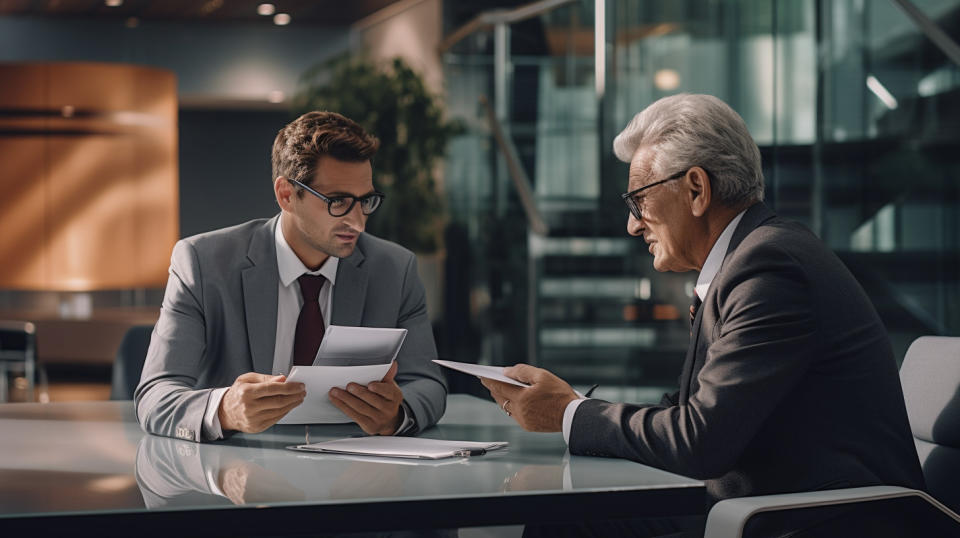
<point x="856" y="110"/>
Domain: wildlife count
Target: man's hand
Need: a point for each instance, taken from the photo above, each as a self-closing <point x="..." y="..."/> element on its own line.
<point x="537" y="408"/>
<point x="535" y="477"/>
<point x="257" y="401"/>
<point x="245" y="482"/>
<point x="376" y="407"/>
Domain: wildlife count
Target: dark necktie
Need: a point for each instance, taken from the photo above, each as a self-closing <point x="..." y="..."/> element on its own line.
<point x="310" y="323"/>
<point x="694" y="307"/>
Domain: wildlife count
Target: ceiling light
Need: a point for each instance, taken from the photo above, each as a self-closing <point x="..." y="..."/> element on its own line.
<point x="881" y="92"/>
<point x="113" y="3"/>
<point x="666" y="80"/>
<point x="266" y="10"/>
<point x="281" y="19"/>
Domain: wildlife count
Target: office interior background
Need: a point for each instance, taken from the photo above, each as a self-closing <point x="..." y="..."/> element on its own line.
<point x="125" y="125"/>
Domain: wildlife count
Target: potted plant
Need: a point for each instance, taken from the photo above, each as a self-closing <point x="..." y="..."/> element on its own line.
<point x="391" y="101"/>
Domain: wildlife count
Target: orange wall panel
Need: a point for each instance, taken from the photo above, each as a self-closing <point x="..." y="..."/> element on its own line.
<point x="88" y="176"/>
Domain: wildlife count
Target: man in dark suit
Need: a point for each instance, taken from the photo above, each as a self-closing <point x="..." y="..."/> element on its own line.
<point x="246" y="303"/>
<point x="789" y="382"/>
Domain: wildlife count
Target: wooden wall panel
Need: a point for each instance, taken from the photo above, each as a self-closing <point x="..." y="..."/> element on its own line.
<point x="104" y="136"/>
<point x="22" y="262"/>
<point x="156" y="97"/>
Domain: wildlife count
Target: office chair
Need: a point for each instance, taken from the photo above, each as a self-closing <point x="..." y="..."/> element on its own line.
<point x="930" y="376"/>
<point x="18" y="345"/>
<point x="128" y="363"/>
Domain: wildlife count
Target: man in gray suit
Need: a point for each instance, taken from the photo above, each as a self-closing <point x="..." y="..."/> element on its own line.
<point x="244" y="304"/>
<point x="789" y="382"/>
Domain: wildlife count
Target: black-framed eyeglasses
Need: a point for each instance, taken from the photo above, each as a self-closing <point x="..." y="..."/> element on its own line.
<point x="630" y="199"/>
<point x="339" y="206"/>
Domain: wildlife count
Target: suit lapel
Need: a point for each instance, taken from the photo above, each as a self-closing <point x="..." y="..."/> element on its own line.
<point x="350" y="290"/>
<point x="756" y="215"/>
<point x="260" y="296"/>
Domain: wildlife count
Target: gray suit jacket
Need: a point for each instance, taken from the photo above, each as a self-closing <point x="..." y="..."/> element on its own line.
<point x="219" y="320"/>
<point x="789" y="383"/>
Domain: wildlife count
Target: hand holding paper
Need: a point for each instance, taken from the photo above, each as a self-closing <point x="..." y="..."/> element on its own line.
<point x="352" y="379"/>
<point x="375" y="407"/>
<point x="538" y="407"/>
<point x="257" y="401"/>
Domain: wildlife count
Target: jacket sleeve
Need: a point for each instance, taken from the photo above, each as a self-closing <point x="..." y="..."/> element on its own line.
<point x="423" y="385"/>
<point x="166" y="401"/>
<point x="765" y="340"/>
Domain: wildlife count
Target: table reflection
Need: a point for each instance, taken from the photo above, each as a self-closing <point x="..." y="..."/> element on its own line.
<point x="173" y="472"/>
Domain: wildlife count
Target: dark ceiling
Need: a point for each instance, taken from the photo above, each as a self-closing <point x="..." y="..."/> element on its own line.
<point x="311" y="12"/>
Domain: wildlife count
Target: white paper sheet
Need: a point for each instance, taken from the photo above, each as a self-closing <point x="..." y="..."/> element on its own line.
<point x="355" y="346"/>
<point x="316" y="407"/>
<point x="347" y="354"/>
<point x="479" y="370"/>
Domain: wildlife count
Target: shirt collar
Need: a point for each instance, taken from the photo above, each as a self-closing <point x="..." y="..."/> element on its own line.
<point x="290" y="266"/>
<point x="715" y="259"/>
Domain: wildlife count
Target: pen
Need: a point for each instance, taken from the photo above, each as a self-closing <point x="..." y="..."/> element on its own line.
<point x="471" y="452"/>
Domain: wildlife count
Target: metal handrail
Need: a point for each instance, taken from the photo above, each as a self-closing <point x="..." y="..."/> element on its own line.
<point x="489" y="19"/>
<point x="521" y="181"/>
<point x="930" y="29"/>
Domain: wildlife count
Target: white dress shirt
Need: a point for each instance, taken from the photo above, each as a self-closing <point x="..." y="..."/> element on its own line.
<point x="289" y="303"/>
<point x="709" y="270"/>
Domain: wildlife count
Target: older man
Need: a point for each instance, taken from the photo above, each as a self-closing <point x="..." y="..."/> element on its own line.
<point x="789" y="382"/>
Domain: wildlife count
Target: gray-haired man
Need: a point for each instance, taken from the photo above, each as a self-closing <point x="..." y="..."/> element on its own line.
<point x="789" y="382"/>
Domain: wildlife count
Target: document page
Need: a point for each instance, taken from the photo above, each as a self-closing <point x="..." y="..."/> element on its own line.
<point x="480" y="370"/>
<point x="316" y="407"/>
<point x="402" y="447"/>
<point x="346" y="355"/>
<point x="357" y="346"/>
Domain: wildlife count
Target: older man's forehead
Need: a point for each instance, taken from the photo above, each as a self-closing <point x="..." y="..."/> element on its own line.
<point x="640" y="170"/>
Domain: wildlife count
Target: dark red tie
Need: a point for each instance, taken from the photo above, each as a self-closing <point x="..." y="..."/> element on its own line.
<point x="310" y="323"/>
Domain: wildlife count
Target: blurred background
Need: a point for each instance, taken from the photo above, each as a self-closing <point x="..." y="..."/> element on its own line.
<point x="127" y="124"/>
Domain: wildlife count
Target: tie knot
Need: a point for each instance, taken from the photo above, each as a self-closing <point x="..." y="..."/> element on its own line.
<point x="310" y="287"/>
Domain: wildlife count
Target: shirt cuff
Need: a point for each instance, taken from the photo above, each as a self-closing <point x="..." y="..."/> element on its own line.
<point x="408" y="422"/>
<point x="568" y="418"/>
<point x="211" y="420"/>
<point x="211" y="476"/>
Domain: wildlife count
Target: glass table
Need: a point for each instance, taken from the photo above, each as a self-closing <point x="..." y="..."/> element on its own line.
<point x="87" y="466"/>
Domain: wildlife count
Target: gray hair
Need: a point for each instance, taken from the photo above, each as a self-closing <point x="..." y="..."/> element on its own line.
<point x="689" y="130"/>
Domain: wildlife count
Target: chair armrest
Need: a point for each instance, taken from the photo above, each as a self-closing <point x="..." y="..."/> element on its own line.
<point x="728" y="518"/>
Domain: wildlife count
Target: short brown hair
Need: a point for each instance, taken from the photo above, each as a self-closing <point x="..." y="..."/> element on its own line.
<point x="299" y="146"/>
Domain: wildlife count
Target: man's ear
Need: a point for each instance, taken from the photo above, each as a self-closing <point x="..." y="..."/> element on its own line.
<point x="284" y="192"/>
<point x="699" y="189"/>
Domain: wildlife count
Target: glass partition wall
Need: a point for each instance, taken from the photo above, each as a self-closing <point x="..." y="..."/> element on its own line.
<point x="854" y="104"/>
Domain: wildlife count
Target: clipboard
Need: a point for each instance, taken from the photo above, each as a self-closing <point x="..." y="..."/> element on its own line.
<point x="401" y="447"/>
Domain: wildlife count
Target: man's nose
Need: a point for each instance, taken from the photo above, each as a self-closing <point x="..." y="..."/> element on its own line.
<point x="355" y="217"/>
<point x="634" y="226"/>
